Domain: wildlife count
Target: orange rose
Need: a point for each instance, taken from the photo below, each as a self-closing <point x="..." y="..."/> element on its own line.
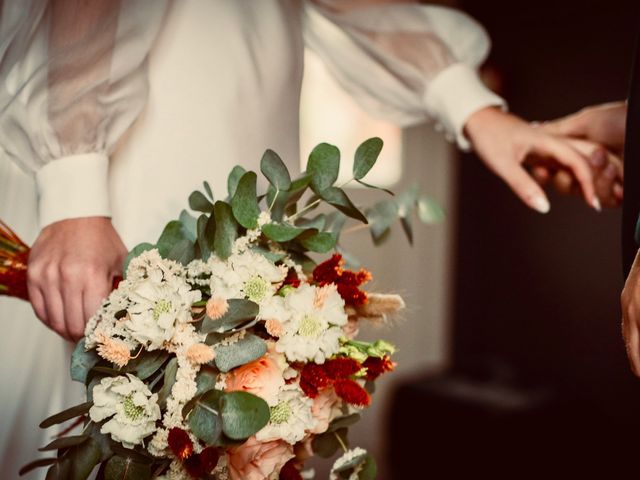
<point x="254" y="460"/>
<point x="262" y="377"/>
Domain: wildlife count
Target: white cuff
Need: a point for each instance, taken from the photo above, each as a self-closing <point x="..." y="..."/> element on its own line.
<point x="73" y="187"/>
<point x="454" y="95"/>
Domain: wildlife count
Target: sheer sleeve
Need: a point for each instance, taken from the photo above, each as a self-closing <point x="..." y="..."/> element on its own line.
<point x="72" y="80"/>
<point x="404" y="62"/>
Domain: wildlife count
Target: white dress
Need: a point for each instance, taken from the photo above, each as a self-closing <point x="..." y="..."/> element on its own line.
<point x="223" y="80"/>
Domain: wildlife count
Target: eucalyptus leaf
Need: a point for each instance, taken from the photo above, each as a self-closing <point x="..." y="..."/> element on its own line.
<point x="169" y="380"/>
<point x="375" y="187"/>
<point x="125" y="468"/>
<point x="244" y="203"/>
<point x="137" y="250"/>
<point x="61" y="470"/>
<point x="41" y="462"/>
<point x="407" y="227"/>
<point x="206" y="379"/>
<point x="275" y="171"/>
<point x="339" y="199"/>
<point x="204" y="419"/>
<point x="381" y="216"/>
<point x="189" y="225"/>
<point x="245" y="350"/>
<point x="173" y="233"/>
<point x="281" y="232"/>
<point x="82" y="361"/>
<point x="320" y="242"/>
<point x="182" y="252"/>
<point x="268" y="254"/>
<point x="226" y="230"/>
<point x="204" y="242"/>
<point x="327" y="444"/>
<point x="243" y="414"/>
<point x="318" y="222"/>
<point x="64" y="442"/>
<point x="84" y="457"/>
<point x="323" y="166"/>
<point x="147" y="363"/>
<point x="240" y="311"/>
<point x="234" y="177"/>
<point x="343" y="422"/>
<point x="200" y="203"/>
<point x="67" y="414"/>
<point x="429" y="211"/>
<point x="365" y="157"/>
<point x="208" y="191"/>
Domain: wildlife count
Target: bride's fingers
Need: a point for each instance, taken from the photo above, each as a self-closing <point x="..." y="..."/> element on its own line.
<point x="541" y="174"/>
<point x="524" y="187"/>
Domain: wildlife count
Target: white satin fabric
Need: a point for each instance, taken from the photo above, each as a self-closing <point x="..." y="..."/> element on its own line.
<point x="223" y="82"/>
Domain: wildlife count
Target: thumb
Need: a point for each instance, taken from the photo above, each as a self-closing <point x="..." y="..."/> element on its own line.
<point x="526" y="188"/>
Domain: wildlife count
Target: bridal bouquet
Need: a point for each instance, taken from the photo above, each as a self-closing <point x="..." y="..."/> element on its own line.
<point x="226" y="352"/>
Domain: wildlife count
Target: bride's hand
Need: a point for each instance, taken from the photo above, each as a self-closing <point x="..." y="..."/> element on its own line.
<point x="71" y="269"/>
<point x="505" y="142"/>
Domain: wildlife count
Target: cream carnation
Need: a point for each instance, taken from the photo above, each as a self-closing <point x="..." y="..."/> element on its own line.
<point x="290" y="418"/>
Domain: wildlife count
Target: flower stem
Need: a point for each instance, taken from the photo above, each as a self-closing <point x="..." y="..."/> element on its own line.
<point x="341" y="442"/>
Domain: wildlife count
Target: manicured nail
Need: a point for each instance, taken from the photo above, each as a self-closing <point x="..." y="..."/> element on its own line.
<point x="596" y="204"/>
<point x="541" y="204"/>
<point x="598" y="158"/>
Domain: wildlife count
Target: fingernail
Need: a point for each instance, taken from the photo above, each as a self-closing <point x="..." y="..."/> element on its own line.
<point x="596" y="204"/>
<point x="541" y="204"/>
<point x="598" y="158"/>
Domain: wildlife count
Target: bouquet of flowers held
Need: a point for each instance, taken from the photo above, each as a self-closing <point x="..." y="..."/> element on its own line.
<point x="226" y="352"/>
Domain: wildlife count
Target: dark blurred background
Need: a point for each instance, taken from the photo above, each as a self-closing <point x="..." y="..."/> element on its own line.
<point x="539" y="383"/>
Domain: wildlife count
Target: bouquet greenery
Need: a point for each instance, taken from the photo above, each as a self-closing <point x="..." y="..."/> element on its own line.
<point x="226" y="351"/>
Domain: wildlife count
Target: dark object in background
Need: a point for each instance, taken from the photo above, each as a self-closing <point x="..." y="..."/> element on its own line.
<point x="537" y="295"/>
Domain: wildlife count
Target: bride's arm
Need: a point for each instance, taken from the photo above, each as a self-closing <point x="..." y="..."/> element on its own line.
<point x="72" y="80"/>
<point x="409" y="63"/>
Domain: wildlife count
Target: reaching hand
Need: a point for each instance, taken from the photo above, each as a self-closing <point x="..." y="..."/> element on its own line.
<point x="71" y="269"/>
<point x="631" y="315"/>
<point x="505" y="142"/>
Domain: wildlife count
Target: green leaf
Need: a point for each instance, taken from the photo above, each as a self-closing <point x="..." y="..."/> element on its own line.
<point x="407" y="226"/>
<point x="64" y="442"/>
<point x="429" y="211"/>
<point x="204" y="419"/>
<point x="206" y="379"/>
<point x="369" y="469"/>
<point x="234" y="177"/>
<point x="365" y="464"/>
<point x="226" y="230"/>
<point x="104" y="440"/>
<point x="67" y="414"/>
<point x="323" y="166"/>
<point x="205" y="244"/>
<point x="268" y="254"/>
<point x="344" y="422"/>
<point x="169" y="379"/>
<point x="137" y="250"/>
<point x="182" y="252"/>
<point x="366" y="155"/>
<point x="320" y="242"/>
<point x="318" y="222"/>
<point x="381" y="216"/>
<point x="281" y="232"/>
<point x="208" y="191"/>
<point x="243" y="414"/>
<point x="274" y="169"/>
<point x="200" y="203"/>
<point x="121" y="468"/>
<point x="244" y="203"/>
<point x="41" y="462"/>
<point x="375" y="187"/>
<point x="245" y="350"/>
<point x="84" y="458"/>
<point x="336" y="197"/>
<point x="189" y="225"/>
<point x="240" y="311"/>
<point x="82" y="361"/>
<point x="327" y="444"/>
<point x="172" y="234"/>
<point x="147" y="363"/>
<point x="60" y="470"/>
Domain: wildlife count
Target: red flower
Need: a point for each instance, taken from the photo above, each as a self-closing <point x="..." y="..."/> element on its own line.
<point x="341" y="367"/>
<point x="377" y="366"/>
<point x="291" y="279"/>
<point x="312" y="379"/>
<point x="180" y="443"/>
<point x="347" y="281"/>
<point x="352" y="393"/>
<point x="200" y="464"/>
<point x="290" y="471"/>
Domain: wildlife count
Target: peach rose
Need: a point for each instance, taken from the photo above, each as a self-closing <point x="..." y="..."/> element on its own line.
<point x="324" y="410"/>
<point x="254" y="460"/>
<point x="262" y="377"/>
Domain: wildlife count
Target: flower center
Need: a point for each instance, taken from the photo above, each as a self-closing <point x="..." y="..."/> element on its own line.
<point x="310" y="326"/>
<point x="161" y="306"/>
<point x="281" y="413"/>
<point x="256" y="288"/>
<point x="131" y="410"/>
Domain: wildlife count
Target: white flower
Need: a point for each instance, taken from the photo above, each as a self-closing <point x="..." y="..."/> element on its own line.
<point x="313" y="330"/>
<point x="130" y="404"/>
<point x="245" y="275"/>
<point x="156" y="307"/>
<point x="291" y="417"/>
<point x="347" y="457"/>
